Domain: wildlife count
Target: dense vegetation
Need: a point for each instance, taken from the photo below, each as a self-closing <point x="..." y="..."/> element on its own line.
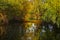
<point x="15" y="13"/>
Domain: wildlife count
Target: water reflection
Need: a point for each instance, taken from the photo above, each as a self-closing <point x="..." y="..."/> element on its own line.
<point x="50" y="27"/>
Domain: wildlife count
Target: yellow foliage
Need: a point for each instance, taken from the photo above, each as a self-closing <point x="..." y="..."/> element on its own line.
<point x="28" y="24"/>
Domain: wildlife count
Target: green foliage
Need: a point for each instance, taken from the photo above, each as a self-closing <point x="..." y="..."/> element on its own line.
<point x="47" y="10"/>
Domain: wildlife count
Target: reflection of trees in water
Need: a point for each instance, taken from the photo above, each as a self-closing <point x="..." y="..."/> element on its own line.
<point x="15" y="29"/>
<point x="49" y="31"/>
